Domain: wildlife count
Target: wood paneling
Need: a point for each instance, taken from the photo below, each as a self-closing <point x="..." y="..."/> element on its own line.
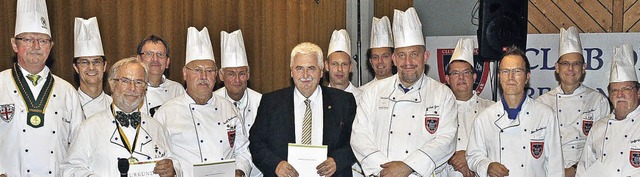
<point x="386" y="7"/>
<point x="271" y="28"/>
<point x="591" y="16"/>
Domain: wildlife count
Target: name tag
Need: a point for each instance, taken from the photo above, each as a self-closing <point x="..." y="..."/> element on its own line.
<point x="383" y="103"/>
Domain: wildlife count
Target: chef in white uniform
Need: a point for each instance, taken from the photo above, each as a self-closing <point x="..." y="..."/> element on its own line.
<point x="576" y="106"/>
<point x="405" y="124"/>
<point x="517" y="136"/>
<point x="613" y="145"/>
<point x="154" y="51"/>
<point x="380" y="50"/>
<point x="339" y="62"/>
<point x="235" y="74"/>
<point x="460" y="77"/>
<point x="120" y="133"/>
<point x="204" y="127"/>
<point x="90" y="65"/>
<point x="38" y="110"/>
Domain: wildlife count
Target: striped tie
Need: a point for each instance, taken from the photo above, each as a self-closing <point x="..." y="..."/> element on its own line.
<point x="33" y="78"/>
<point x="306" y="123"/>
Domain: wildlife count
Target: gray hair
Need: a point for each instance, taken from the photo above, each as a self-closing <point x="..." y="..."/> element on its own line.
<point x="307" y="48"/>
<point x="125" y="61"/>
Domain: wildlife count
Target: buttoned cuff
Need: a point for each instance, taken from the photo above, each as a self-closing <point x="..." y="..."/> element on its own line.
<point x="421" y="163"/>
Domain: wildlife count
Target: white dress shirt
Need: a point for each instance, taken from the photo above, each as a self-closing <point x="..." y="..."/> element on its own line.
<point x="316" y="115"/>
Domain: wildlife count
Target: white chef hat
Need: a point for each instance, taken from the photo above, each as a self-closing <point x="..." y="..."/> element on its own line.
<point x="198" y="45"/>
<point x="569" y="41"/>
<point x="340" y="42"/>
<point x="87" y="41"/>
<point x="381" y="35"/>
<point x="622" y="67"/>
<point x="464" y="51"/>
<point x="32" y="17"/>
<point x="407" y="28"/>
<point x="232" y="52"/>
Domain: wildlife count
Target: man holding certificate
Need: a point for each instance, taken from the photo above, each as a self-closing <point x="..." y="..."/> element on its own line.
<point x="308" y="115"/>
<point x="204" y="128"/>
<point x="121" y="133"/>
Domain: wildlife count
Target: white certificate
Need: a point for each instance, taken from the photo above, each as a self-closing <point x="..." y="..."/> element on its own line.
<point x="305" y="158"/>
<point x="224" y="168"/>
<point x="143" y="168"/>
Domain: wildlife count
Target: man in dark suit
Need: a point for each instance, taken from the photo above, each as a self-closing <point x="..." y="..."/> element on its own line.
<point x="286" y="115"/>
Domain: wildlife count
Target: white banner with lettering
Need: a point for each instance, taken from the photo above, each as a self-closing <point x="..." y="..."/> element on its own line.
<point x="542" y="51"/>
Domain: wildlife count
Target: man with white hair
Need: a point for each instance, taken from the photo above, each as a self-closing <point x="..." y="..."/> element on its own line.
<point x="235" y="74"/>
<point x="461" y="75"/>
<point x="90" y="65"/>
<point x="613" y="145"/>
<point x="306" y="113"/>
<point x="405" y="124"/>
<point x="39" y="111"/>
<point x="576" y="106"/>
<point x="380" y="50"/>
<point x="339" y="62"/>
<point x="204" y="127"/>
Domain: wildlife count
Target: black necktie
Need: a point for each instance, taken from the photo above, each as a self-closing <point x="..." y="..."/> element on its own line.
<point x="126" y="119"/>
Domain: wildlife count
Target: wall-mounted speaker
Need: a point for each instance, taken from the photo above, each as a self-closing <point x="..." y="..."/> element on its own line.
<point x="503" y="23"/>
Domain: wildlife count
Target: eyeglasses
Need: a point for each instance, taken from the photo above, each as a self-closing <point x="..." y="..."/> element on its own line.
<point x="149" y="54"/>
<point x="572" y="64"/>
<point x="208" y="71"/>
<point x="624" y="90"/>
<point x="516" y="71"/>
<point x="85" y="63"/>
<point x="127" y="81"/>
<point x="464" y="73"/>
<point x="30" y="41"/>
<point x="231" y="74"/>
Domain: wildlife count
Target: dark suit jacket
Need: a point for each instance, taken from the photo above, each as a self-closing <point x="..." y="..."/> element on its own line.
<point x="274" y="128"/>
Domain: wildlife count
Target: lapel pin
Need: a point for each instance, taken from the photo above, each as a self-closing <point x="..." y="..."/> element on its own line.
<point x="329" y="107"/>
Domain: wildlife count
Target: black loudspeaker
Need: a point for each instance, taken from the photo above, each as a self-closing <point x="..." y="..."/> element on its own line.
<point x="503" y="23"/>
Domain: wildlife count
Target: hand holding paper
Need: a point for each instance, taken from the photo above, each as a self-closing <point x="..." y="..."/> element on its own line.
<point x="307" y="158"/>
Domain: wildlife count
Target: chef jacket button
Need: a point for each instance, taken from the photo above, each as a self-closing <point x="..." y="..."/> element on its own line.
<point x="148" y="158"/>
<point x="391" y="132"/>
<point x="561" y="125"/>
<point x="409" y="134"/>
<point x="412" y="116"/>
<point x="393" y="98"/>
<point x="24" y="130"/>
<point x="416" y="99"/>
<point x="221" y="158"/>
<point x="26" y="150"/>
<point x="15" y="91"/>
<point x="201" y="141"/>
<point x="49" y="172"/>
<point x="28" y="170"/>
<point x="502" y="148"/>
<point x="524" y="147"/>
<point x="625" y="136"/>
<point x="166" y="90"/>
<point x="560" y="110"/>
<point x="198" y="123"/>
<point x="54" y="132"/>
<point x="573" y="147"/>
<point x="577" y="123"/>
<point x="604" y="154"/>
<point x="116" y="138"/>
<point x="606" y="138"/>
<point x="501" y="131"/>
<point x="406" y="152"/>
<point x="578" y="110"/>
<point x="527" y="113"/>
<point x="459" y="139"/>
<point x="609" y="123"/>
<point x="218" y="123"/>
<point x="248" y="125"/>
<point x="618" y="170"/>
<point x="193" y="108"/>
<point x="525" y="130"/>
<point x="215" y="109"/>
<point x="576" y="137"/>
<point x="113" y="121"/>
<point x="54" y="95"/>
<point x="146" y="137"/>
<point x="559" y="96"/>
<point x="149" y="103"/>
<point x="621" y="152"/>
<point x="633" y="120"/>
<point x="55" y="112"/>
<point x="220" y="141"/>
<point x="205" y="159"/>
<point x="51" y="152"/>
<point x="393" y="115"/>
<point x="475" y="111"/>
<point x="498" y="115"/>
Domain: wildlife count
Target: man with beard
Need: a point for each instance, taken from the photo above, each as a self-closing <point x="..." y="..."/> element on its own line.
<point x="306" y="113"/>
<point x="90" y="64"/>
<point x="339" y="62"/>
<point x="204" y="127"/>
<point x="576" y="106"/>
<point x="154" y="52"/>
<point x="235" y="74"/>
<point x="460" y="77"/>
<point x="405" y="124"/>
<point x="380" y="50"/>
<point x="613" y="145"/>
<point x="39" y="111"/>
<point x="517" y="136"/>
<point x="120" y="133"/>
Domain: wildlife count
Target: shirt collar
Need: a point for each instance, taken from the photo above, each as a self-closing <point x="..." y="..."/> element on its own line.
<point x="512" y="112"/>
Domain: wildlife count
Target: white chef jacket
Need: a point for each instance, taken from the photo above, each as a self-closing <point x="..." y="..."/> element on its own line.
<point x="362" y="87"/>
<point x="467" y="113"/>
<point x="576" y="114"/>
<point x="91" y="106"/>
<point x="156" y="96"/>
<point x="528" y="145"/>
<point x="417" y="127"/>
<point x="97" y="146"/>
<point x="204" y="133"/>
<point x="28" y="151"/>
<point x="612" y="147"/>
<point x="247" y="109"/>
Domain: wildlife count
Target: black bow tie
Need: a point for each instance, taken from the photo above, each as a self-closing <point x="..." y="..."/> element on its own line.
<point x="125" y="119"/>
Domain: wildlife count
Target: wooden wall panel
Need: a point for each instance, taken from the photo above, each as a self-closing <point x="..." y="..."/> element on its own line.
<point x="271" y="28"/>
<point x="386" y="7"/>
<point x="591" y="16"/>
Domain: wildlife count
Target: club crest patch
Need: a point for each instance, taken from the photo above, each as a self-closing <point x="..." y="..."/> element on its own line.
<point x="537" y="147"/>
<point x="231" y="134"/>
<point x="586" y="126"/>
<point x="6" y="112"/>
<point x="634" y="157"/>
<point x="431" y="124"/>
